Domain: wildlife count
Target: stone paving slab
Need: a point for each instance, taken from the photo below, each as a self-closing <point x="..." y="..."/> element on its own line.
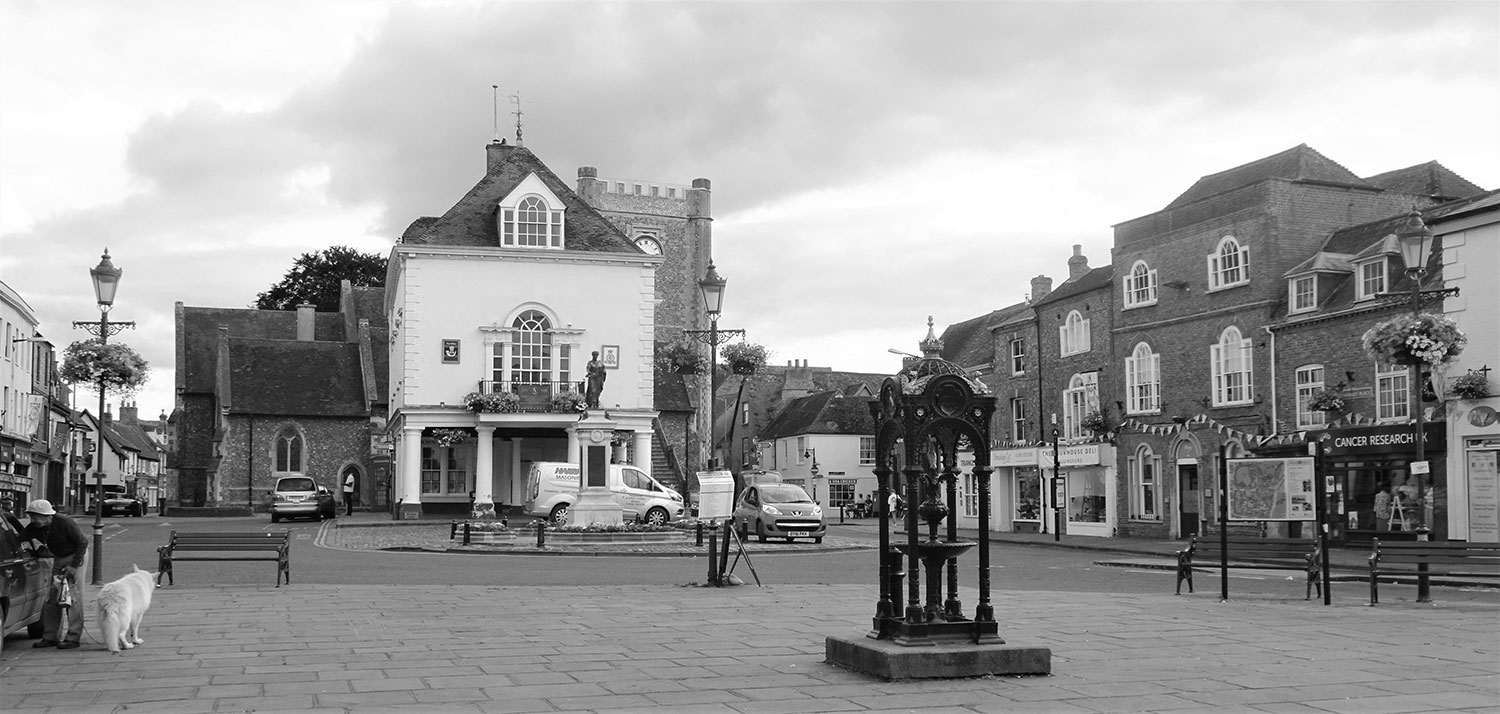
<point x="749" y="650"/>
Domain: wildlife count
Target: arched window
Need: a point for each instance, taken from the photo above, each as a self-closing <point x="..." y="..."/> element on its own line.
<point x="1073" y="335"/>
<point x="1143" y="380"/>
<point x="1080" y="398"/>
<point x="288" y="451"/>
<point x="531" y="348"/>
<point x="1231" y="362"/>
<point x="1145" y="485"/>
<point x="1140" y="285"/>
<point x="531" y="224"/>
<point x="1228" y="265"/>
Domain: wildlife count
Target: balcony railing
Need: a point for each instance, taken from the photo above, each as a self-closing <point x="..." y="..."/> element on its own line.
<point x="535" y="397"/>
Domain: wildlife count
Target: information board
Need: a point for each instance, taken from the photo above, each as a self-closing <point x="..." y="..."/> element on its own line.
<point x="1271" y="489"/>
<point x="715" y="495"/>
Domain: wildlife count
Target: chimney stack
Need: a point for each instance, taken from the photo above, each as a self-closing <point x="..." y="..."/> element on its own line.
<point x="128" y="413"/>
<point x="1040" y="286"/>
<point x="1077" y="265"/>
<point x="590" y="188"/>
<point x="306" y="319"/>
<point x="495" y="153"/>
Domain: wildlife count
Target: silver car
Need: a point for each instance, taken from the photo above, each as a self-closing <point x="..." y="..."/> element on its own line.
<point x="778" y="510"/>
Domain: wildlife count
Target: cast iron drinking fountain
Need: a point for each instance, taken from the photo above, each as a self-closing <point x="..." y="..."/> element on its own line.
<point x="926" y="417"/>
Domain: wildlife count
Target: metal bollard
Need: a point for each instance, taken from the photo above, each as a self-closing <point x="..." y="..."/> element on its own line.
<point x="541" y="534"/>
<point x="699" y="529"/>
<point x="1424" y="592"/>
<point x="452" y="530"/>
<point x="466" y="532"/>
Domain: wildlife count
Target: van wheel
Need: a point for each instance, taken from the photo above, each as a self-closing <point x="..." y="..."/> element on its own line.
<point x="760" y="531"/>
<point x="560" y="514"/>
<point x="657" y="517"/>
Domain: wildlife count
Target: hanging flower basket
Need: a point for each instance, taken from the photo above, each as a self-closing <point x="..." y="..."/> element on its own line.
<point x="744" y="357"/>
<point x="682" y="358"/>
<point x="1415" y="339"/>
<point x="89" y="362"/>
<point x="450" y="437"/>
<point x="1471" y="387"/>
<point x="502" y="402"/>
<point x="568" y="401"/>
<point x="1329" y="399"/>
<point x="1095" y="422"/>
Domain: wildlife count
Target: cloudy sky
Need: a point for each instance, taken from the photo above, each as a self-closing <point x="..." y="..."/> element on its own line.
<point x="872" y="162"/>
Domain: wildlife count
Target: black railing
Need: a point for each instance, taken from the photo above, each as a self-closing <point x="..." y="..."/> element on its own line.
<point x="535" y="397"/>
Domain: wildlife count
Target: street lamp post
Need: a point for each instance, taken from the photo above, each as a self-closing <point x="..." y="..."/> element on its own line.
<point x="106" y="279"/>
<point x="712" y="288"/>
<point x="1415" y="240"/>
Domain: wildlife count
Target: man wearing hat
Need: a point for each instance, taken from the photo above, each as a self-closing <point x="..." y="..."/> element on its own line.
<point x="51" y="533"/>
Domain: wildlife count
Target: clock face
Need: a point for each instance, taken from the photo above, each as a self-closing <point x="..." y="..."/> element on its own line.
<point x="648" y="245"/>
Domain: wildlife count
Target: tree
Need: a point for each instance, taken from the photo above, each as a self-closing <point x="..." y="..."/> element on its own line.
<point x="315" y="278"/>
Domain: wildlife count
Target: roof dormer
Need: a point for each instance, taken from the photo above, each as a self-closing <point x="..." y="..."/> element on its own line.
<point x="1373" y="268"/>
<point x="530" y="216"/>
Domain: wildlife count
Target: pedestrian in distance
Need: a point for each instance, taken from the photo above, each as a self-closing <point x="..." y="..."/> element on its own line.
<point x="349" y="493"/>
<point x="51" y="534"/>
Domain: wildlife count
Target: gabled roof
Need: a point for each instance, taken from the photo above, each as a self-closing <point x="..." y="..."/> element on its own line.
<point x="198" y="337"/>
<point x="471" y="221"/>
<point x="292" y="378"/>
<point x="971" y="343"/>
<point x="821" y="413"/>
<point x="1430" y="179"/>
<point x="1386" y="245"/>
<point x="1299" y="163"/>
<point x="1323" y="262"/>
<point x="133" y="437"/>
<point x="1100" y="277"/>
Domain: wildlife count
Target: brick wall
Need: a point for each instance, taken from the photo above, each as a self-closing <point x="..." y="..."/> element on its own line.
<point x="329" y="444"/>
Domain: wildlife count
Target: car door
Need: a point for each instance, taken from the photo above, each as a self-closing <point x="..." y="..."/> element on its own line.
<point x="633" y="492"/>
<point x="25" y="578"/>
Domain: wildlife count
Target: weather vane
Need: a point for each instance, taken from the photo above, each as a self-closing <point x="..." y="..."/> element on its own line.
<point x="516" y="100"/>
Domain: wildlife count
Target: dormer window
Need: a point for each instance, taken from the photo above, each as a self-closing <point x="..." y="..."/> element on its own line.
<point x="531" y="216"/>
<point x="1140" y="286"/>
<point x="1304" y="293"/>
<point x="1372" y="279"/>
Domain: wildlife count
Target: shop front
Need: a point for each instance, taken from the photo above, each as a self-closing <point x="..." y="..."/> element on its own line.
<point x="1374" y="492"/>
<point x="1087" y="474"/>
<point x="1474" y="494"/>
<point x="1019" y="499"/>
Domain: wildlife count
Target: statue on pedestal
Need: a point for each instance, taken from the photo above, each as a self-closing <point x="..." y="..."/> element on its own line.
<point x="595" y="374"/>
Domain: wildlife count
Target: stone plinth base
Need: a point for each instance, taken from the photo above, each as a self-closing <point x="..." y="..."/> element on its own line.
<point x="409" y="512"/>
<point x="595" y="506"/>
<point x="885" y="659"/>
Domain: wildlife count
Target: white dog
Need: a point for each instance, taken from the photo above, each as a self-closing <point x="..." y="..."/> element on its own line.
<point x="122" y="604"/>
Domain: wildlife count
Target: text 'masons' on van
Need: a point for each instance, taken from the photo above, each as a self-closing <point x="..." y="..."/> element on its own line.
<point x="552" y="488"/>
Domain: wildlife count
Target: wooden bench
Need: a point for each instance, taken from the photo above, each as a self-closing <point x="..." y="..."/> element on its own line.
<point x="1253" y="553"/>
<point x="1421" y="560"/>
<point x="254" y="545"/>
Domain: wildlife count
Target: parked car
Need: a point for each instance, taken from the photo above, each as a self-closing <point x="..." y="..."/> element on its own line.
<point x="301" y="497"/>
<point x="781" y="510"/>
<point x="119" y="504"/>
<point x="23" y="583"/>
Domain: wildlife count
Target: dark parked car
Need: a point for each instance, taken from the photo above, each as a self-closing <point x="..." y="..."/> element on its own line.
<point x="23" y="583"/>
<point x="778" y="510"/>
<point x="119" y="504"/>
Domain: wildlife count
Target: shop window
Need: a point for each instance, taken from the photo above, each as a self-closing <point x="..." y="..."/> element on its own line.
<point x="841" y="495"/>
<point x="1028" y="492"/>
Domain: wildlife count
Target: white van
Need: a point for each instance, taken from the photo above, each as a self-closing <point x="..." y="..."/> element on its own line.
<point x="552" y="487"/>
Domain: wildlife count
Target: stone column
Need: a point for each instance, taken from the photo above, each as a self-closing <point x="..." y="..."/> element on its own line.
<point x="484" y="473"/>
<point x="411" y="473"/>
<point x="641" y="454"/>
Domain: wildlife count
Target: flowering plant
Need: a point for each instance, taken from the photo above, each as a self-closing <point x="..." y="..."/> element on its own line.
<point x="487" y="527"/>
<point x="745" y="357"/>
<point x="503" y="402"/>
<point x="568" y="401"/>
<point x="1095" y="421"/>
<point x="683" y="358"/>
<point x="1415" y="339"/>
<point x="627" y="527"/>
<point x="450" y="437"/>
<point x="1328" y="399"/>
<point x="1471" y="386"/>
<point x="120" y="368"/>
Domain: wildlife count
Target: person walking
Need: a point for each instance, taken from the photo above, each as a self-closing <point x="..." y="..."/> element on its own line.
<point x="349" y="493"/>
<point x="52" y="534"/>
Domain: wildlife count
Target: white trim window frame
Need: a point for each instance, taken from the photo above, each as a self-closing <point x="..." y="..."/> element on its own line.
<point x="866" y="451"/>
<point x="1143" y="381"/>
<point x="1080" y="398"/>
<point x="1145" y="485"/>
<point x="444" y="470"/>
<point x="1018" y="356"/>
<point x="1140" y="286"/>
<point x="1017" y="419"/>
<point x="1372" y="279"/>
<point x="1073" y="334"/>
<point x="1303" y="293"/>
<point x="1392" y="393"/>
<point x="532" y="223"/>
<point x="1232" y="364"/>
<point x="1228" y="265"/>
<point x="1309" y="379"/>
